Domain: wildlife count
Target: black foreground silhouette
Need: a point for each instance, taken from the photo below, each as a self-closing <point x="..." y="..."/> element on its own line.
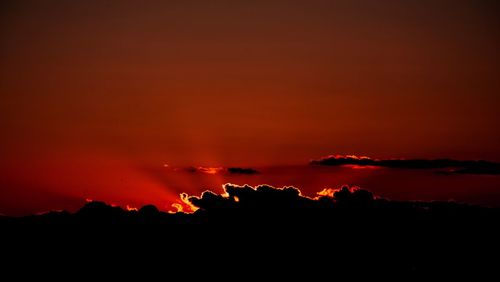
<point x="349" y="231"/>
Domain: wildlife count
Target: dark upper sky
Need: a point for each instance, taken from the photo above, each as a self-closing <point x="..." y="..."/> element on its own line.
<point x="243" y="82"/>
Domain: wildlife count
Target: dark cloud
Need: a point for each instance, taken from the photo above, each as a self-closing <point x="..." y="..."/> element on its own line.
<point x="262" y="197"/>
<point x="445" y="166"/>
<point x="218" y="170"/>
<point x="240" y="170"/>
<point x="191" y="169"/>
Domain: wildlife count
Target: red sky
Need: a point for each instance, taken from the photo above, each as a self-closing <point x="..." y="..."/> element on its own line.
<point x="93" y="91"/>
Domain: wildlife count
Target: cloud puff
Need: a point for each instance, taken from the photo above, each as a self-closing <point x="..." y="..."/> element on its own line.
<point x="218" y="170"/>
<point x="446" y="166"/>
<point x="240" y="170"/>
<point x="205" y="170"/>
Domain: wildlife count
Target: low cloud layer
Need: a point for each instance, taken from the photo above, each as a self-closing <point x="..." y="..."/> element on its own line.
<point x="263" y="203"/>
<point x="240" y="170"/>
<point x="444" y="166"/>
<point x="219" y="170"/>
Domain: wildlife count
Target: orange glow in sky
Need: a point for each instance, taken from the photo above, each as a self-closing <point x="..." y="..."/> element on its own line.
<point x="112" y="100"/>
<point x="327" y="192"/>
<point x="210" y="170"/>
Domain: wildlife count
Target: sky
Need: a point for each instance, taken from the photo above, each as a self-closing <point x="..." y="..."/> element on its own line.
<point x="93" y="92"/>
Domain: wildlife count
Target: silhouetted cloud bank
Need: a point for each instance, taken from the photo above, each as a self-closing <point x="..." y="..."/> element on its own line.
<point x="445" y="166"/>
<point x="264" y="204"/>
